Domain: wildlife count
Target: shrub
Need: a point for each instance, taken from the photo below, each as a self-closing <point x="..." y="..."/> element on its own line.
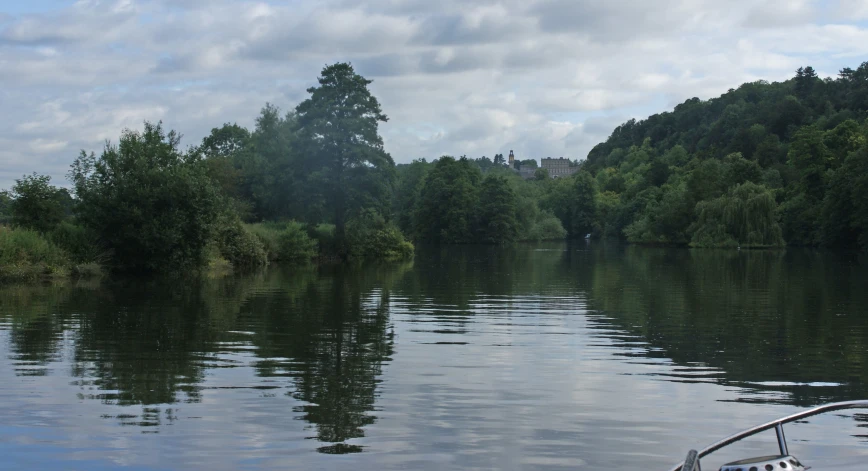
<point x="80" y="243"/>
<point x="239" y="245"/>
<point x="285" y="241"/>
<point x="25" y="255"/>
<point x="153" y="206"/>
<point x="370" y="236"/>
<point x="548" y="227"/>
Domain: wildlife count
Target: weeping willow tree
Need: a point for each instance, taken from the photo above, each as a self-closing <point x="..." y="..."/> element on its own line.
<point x="744" y="217"/>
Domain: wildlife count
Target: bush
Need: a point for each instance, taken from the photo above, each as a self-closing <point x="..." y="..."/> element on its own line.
<point x="370" y="236"/>
<point x="26" y="255"/>
<point x="239" y="245"/>
<point x="286" y="241"/>
<point x="153" y="206"/>
<point x="548" y="227"/>
<point x="80" y="243"/>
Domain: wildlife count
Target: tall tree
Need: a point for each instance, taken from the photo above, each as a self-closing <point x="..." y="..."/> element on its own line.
<point x="806" y="77"/>
<point x="338" y="133"/>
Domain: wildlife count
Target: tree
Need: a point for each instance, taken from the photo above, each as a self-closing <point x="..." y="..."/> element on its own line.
<point x="810" y="156"/>
<point x="35" y="204"/>
<point x="408" y="189"/>
<point x="583" y="205"/>
<point x="447" y="202"/>
<point x="745" y="216"/>
<point x="845" y="207"/>
<point x="768" y="152"/>
<point x="5" y="202"/>
<point x="496" y="211"/>
<point x="273" y="170"/>
<point x="805" y="79"/>
<point x="658" y="173"/>
<point x="499" y="160"/>
<point x="343" y="151"/>
<point x="151" y="205"/>
<point x="740" y="170"/>
<point x="225" y="151"/>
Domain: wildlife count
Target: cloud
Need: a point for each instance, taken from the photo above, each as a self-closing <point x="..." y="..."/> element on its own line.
<point x="544" y="77"/>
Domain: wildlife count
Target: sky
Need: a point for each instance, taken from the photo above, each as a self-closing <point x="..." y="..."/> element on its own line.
<point x="455" y="77"/>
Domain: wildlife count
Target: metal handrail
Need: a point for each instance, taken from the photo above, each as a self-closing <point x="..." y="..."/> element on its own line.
<point x="778" y="425"/>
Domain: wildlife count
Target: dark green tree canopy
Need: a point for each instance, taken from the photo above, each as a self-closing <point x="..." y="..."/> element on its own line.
<point x="446" y="208"/>
<point x="36" y="204"/>
<point x="152" y="205"/>
<point x="339" y="139"/>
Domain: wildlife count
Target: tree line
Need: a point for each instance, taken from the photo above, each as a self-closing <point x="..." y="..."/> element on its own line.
<point x="764" y="165"/>
<point x="315" y="181"/>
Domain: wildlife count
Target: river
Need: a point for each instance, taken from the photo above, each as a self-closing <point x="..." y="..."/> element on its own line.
<point x="551" y="356"/>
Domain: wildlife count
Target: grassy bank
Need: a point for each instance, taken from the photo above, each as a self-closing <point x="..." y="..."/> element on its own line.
<point x="27" y="255"/>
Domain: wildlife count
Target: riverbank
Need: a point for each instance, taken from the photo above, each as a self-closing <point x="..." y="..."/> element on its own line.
<point x="70" y="251"/>
<point x="27" y="255"/>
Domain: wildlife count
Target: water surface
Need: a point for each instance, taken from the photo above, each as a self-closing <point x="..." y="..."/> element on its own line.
<point x="550" y="356"/>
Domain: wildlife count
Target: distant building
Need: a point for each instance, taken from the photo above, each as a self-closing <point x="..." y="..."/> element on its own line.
<point x="559" y="167"/>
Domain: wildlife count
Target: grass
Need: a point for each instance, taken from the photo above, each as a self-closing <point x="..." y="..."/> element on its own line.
<point x="27" y="255"/>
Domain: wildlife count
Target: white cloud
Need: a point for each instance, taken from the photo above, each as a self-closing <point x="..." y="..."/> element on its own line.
<point x="545" y="77"/>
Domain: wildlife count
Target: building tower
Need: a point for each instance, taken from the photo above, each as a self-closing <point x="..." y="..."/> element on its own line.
<point x="511" y="159"/>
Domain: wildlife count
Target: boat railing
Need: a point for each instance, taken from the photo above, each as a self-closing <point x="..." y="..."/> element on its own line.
<point x="691" y="463"/>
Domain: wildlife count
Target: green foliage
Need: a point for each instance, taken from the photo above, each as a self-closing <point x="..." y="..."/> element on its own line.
<point x="845" y="208"/>
<point x="496" y="211"/>
<point x="285" y="241"/>
<point x="408" y="190"/>
<point x="26" y="255"/>
<point x="547" y="227"/>
<point x="665" y="219"/>
<point x="792" y="138"/>
<point x="152" y="206"/>
<point x="658" y="172"/>
<point x="581" y="205"/>
<point x="810" y="156"/>
<point x="446" y="207"/>
<point x="800" y="220"/>
<point x="541" y="174"/>
<point x="238" y="244"/>
<point x="745" y="217"/>
<point x="5" y="211"/>
<point x="80" y="243"/>
<point x="35" y="204"/>
<point x="370" y="236"/>
<point x="324" y="235"/>
<point x="344" y="157"/>
<point x="740" y="170"/>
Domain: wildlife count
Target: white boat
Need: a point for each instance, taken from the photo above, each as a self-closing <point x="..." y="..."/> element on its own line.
<point x="781" y="461"/>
